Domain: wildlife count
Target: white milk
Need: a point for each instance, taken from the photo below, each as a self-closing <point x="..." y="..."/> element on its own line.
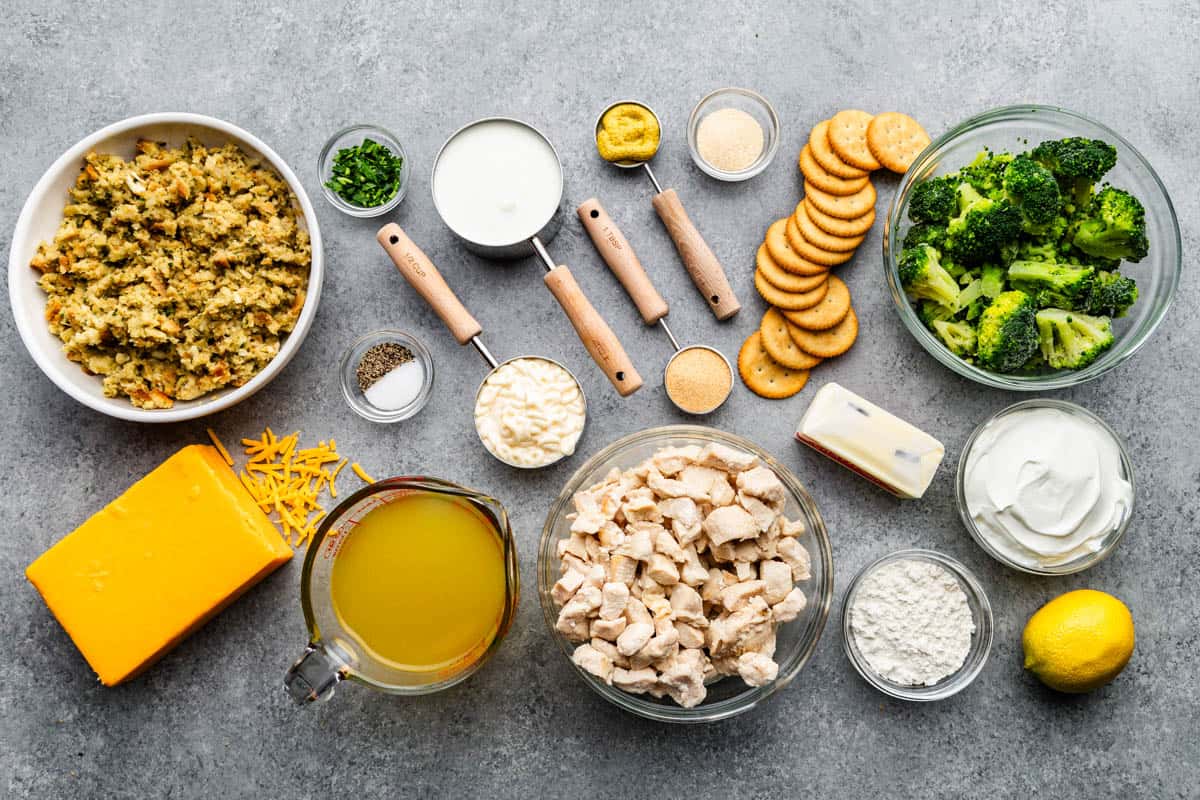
<point x="497" y="183"/>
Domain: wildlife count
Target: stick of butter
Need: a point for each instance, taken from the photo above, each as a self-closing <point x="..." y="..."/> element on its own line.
<point x="879" y="446"/>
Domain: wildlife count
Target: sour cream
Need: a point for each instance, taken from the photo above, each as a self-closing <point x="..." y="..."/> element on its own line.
<point x="497" y="182"/>
<point x="530" y="412"/>
<point x="1045" y="487"/>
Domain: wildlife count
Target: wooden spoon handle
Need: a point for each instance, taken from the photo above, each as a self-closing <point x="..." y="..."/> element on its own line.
<point x="423" y="276"/>
<point x="621" y="259"/>
<point x="597" y="337"/>
<point x="706" y="271"/>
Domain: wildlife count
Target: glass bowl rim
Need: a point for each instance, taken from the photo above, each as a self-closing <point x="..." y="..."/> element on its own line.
<point x="1082" y="563"/>
<point x="1122" y="350"/>
<point x="821" y="603"/>
<point x="981" y="640"/>
<point x="774" y="135"/>
<point x="352" y="210"/>
<point x="351" y="394"/>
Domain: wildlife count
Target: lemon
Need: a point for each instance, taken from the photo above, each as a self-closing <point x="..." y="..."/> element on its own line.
<point x="1079" y="641"/>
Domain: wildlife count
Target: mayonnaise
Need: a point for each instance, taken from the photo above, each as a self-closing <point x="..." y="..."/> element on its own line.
<point x="1045" y="486"/>
<point x="530" y="412"/>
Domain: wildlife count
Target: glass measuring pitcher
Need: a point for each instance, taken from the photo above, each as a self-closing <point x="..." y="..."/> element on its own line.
<point x="337" y="567"/>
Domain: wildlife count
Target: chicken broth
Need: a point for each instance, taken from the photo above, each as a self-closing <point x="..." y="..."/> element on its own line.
<point x="419" y="582"/>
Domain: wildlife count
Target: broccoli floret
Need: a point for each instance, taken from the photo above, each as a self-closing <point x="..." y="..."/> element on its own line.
<point x="1053" y="285"/>
<point x="986" y="173"/>
<point x="992" y="280"/>
<point x="926" y="233"/>
<point x="1039" y="251"/>
<point x="982" y="227"/>
<point x="1070" y="340"/>
<point x="1077" y="163"/>
<point x="1007" y="334"/>
<point x="1034" y="191"/>
<point x="971" y="292"/>
<point x="959" y="337"/>
<point x="923" y="277"/>
<point x="930" y="312"/>
<point x="1112" y="295"/>
<point x="934" y="200"/>
<point x="1113" y="226"/>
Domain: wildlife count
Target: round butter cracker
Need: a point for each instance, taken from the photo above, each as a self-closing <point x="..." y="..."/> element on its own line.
<point x="850" y="206"/>
<point x="826" y="314"/>
<point x="807" y="249"/>
<point x="822" y="153"/>
<point x="765" y="376"/>
<point x="848" y="138"/>
<point x="825" y="180"/>
<point x="779" y="345"/>
<point x="781" y="278"/>
<point x="830" y="342"/>
<point x="839" y="227"/>
<point x="823" y="239"/>
<point x="784" y="255"/>
<point x="792" y="301"/>
<point x="895" y="140"/>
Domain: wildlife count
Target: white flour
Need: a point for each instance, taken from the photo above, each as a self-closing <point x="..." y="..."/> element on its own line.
<point x="911" y="622"/>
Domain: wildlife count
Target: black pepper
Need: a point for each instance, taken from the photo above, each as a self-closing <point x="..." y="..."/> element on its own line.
<point x="378" y="361"/>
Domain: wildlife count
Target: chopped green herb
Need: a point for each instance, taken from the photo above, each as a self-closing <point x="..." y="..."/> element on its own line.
<point x="367" y="175"/>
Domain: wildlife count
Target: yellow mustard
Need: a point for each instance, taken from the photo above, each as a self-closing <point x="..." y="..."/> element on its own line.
<point x="628" y="132"/>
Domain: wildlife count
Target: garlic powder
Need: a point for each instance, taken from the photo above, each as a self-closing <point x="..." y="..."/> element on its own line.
<point x="912" y="622"/>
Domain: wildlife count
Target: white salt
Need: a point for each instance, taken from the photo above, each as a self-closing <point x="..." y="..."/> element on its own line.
<point x="397" y="388"/>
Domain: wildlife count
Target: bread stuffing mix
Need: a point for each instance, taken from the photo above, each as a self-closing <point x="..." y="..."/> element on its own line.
<point x="678" y="572"/>
<point x="176" y="273"/>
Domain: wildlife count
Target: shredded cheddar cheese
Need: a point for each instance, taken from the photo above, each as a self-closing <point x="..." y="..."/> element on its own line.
<point x="220" y="446"/>
<point x="286" y="481"/>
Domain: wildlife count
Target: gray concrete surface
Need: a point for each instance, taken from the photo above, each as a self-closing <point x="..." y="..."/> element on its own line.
<point x="211" y="720"/>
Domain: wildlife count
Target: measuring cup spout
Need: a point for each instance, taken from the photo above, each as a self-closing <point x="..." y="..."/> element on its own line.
<point x="314" y="675"/>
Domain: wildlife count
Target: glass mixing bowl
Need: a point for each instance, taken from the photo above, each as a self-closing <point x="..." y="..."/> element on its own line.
<point x="796" y="639"/>
<point x="1019" y="128"/>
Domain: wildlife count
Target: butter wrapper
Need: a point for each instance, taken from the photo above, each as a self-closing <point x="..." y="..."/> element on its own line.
<point x="896" y="456"/>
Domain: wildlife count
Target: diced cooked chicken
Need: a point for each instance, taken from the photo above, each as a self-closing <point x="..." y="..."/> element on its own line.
<point x="687" y="605"/>
<point x="665" y="543"/>
<point x="722" y="493"/>
<point x="699" y="482"/>
<point x="575" y="628"/>
<point x="744" y="570"/>
<point x="635" y="681"/>
<point x="659" y="606"/>
<point x="729" y="633"/>
<point x="746" y="552"/>
<point x="791" y="527"/>
<point x="729" y="523"/>
<point x="796" y="557"/>
<point x="756" y="669"/>
<point x="634" y="638"/>
<point x="764" y="515"/>
<point x="693" y="572"/>
<point x="566" y="586"/>
<point x="665" y="639"/>
<point x="689" y="635"/>
<point x="614" y="596"/>
<point x="669" y="461"/>
<point x="609" y="649"/>
<point x="610" y="535"/>
<point x="722" y="552"/>
<point x="726" y="459"/>
<point x="684" y="677"/>
<point x="641" y="505"/>
<point x="663" y="570"/>
<point x="636" y="611"/>
<point x="588" y="522"/>
<point x="711" y="591"/>
<point x="622" y="569"/>
<point x="592" y="660"/>
<point x="577" y="546"/>
<point x="607" y="629"/>
<point x="571" y="561"/>
<point x="790" y="607"/>
<point x="768" y="543"/>
<point x="666" y="487"/>
<point x="638" y="544"/>
<point x="596" y="575"/>
<point x="737" y="596"/>
<point x="685" y="518"/>
<point x="763" y="483"/>
<point x="777" y="577"/>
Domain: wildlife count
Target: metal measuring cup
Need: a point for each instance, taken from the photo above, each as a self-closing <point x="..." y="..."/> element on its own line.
<point x="702" y="264"/>
<point x="617" y="253"/>
<point x="423" y="276"/>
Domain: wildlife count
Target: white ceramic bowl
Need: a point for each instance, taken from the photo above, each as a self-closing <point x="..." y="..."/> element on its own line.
<point x="40" y="218"/>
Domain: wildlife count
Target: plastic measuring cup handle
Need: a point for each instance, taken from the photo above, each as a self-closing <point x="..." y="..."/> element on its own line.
<point x="420" y="272"/>
<point x="706" y="271"/>
<point x="615" y="250"/>
<point x="313" y="677"/>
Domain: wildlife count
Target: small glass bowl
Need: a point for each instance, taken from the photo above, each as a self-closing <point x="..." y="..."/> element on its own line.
<point x="352" y="137"/>
<point x="355" y="397"/>
<point x="753" y="104"/>
<point x="1018" y="128"/>
<point x="1107" y="544"/>
<point x="981" y="640"/>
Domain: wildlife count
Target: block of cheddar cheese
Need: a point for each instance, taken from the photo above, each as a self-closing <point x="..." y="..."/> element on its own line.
<point x="157" y="563"/>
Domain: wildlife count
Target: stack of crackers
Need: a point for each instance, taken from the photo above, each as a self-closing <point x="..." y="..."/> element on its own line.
<point x="811" y="317"/>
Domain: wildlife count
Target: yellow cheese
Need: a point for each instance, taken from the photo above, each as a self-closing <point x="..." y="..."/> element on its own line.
<point x="157" y="563"/>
